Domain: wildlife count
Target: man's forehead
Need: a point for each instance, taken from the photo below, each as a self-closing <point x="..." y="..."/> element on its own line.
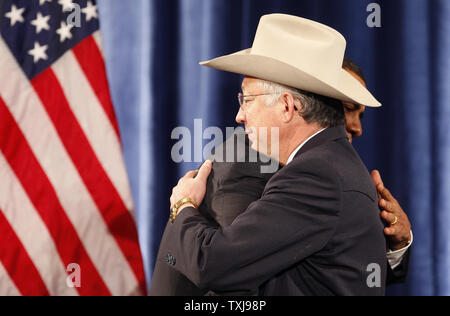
<point x="249" y="83"/>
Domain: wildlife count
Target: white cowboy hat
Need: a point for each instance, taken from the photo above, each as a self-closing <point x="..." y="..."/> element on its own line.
<point x="299" y="53"/>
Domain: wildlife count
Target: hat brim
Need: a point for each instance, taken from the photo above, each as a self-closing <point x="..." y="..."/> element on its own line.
<point x="347" y="88"/>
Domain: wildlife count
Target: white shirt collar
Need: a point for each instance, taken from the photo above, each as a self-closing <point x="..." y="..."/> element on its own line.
<point x="292" y="156"/>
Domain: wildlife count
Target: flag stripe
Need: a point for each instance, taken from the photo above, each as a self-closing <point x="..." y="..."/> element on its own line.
<point x="98" y="40"/>
<point x="94" y="123"/>
<point x="7" y="286"/>
<point x="18" y="264"/>
<point x="65" y="193"/>
<point x="119" y="220"/>
<point x="69" y="187"/>
<point x="38" y="188"/>
<point x="91" y="61"/>
<point x="32" y="232"/>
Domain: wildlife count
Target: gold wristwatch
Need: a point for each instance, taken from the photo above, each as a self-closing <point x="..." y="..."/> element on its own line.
<point x="176" y="207"/>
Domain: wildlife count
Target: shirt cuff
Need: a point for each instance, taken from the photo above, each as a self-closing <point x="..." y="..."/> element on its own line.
<point x="395" y="257"/>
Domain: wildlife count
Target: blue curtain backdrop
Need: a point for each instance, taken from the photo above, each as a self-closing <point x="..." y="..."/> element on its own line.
<point x="153" y="47"/>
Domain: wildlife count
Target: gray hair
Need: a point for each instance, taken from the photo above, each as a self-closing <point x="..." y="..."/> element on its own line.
<point x="324" y="111"/>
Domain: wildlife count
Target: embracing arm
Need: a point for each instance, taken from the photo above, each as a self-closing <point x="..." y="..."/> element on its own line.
<point x="295" y="218"/>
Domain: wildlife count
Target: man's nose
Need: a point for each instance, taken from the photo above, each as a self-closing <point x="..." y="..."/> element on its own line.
<point x="240" y="118"/>
<point x="355" y="129"/>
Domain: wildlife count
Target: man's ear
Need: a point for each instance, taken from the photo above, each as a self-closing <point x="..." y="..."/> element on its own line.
<point x="289" y="110"/>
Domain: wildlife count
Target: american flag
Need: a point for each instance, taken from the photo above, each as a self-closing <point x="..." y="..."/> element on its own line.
<point x="65" y="199"/>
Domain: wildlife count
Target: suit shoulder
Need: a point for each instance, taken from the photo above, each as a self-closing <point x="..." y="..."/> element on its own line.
<point x="344" y="161"/>
<point x="307" y="176"/>
<point x="314" y="162"/>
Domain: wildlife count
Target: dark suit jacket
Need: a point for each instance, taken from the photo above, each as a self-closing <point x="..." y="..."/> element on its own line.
<point x="231" y="188"/>
<point x="400" y="273"/>
<point x="315" y="231"/>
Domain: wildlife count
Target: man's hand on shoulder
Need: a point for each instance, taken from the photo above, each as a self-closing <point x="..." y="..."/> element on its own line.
<point x="399" y="231"/>
<point x="192" y="185"/>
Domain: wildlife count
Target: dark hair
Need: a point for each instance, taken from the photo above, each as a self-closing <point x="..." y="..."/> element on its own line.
<point x="350" y="65"/>
<point x="324" y="111"/>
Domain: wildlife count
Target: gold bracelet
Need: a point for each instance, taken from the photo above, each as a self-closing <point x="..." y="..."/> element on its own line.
<point x="175" y="208"/>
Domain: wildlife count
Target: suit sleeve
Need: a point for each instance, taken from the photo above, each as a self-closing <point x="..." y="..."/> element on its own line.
<point x="295" y="218"/>
<point x="400" y="273"/>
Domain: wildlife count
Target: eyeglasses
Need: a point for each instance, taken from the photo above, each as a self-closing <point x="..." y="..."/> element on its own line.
<point x="241" y="98"/>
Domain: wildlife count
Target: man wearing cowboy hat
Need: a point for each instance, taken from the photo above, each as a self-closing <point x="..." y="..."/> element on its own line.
<point x="316" y="229"/>
<point x="233" y="186"/>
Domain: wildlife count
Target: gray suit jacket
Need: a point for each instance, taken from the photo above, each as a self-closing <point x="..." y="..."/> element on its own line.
<point x="315" y="231"/>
